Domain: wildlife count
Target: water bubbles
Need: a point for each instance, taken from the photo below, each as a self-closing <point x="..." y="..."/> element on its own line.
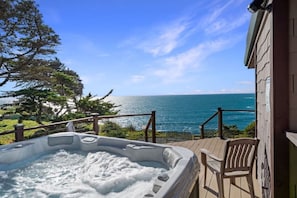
<point x="77" y="174"/>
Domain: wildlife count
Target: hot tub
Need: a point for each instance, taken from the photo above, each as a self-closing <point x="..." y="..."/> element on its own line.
<point x="152" y="170"/>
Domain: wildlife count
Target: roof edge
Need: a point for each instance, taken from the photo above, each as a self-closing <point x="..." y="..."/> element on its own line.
<point x="252" y="34"/>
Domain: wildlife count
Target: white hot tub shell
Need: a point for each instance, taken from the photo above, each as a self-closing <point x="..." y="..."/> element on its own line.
<point x="183" y="163"/>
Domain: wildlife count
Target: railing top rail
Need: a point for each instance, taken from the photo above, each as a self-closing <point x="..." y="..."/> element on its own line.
<point x="7" y="132"/>
<point x="230" y="110"/>
<point x="244" y="110"/>
<point x="219" y="113"/>
<point x="78" y="120"/>
<point x="124" y="115"/>
<point x="87" y="118"/>
<point x="210" y="118"/>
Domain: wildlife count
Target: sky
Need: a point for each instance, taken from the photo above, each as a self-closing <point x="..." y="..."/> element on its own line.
<point x="153" y="47"/>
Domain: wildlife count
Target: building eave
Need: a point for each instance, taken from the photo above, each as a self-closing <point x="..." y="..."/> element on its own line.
<point x="251" y="37"/>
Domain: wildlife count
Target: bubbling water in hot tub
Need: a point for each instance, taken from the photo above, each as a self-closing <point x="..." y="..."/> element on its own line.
<point x="83" y="165"/>
<point x="80" y="174"/>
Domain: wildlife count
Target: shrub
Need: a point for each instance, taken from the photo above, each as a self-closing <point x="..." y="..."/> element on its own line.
<point x="112" y="129"/>
<point x="230" y="131"/>
<point x="250" y="129"/>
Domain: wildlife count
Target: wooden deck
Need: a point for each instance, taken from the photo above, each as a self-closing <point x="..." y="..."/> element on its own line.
<point x="216" y="145"/>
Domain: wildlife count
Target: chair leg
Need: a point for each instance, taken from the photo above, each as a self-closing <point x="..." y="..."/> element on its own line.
<point x="251" y="185"/>
<point x="205" y="173"/>
<point x="220" y="185"/>
<point x="203" y="160"/>
<point x="232" y="180"/>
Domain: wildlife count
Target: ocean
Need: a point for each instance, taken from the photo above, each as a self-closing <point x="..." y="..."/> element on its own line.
<point x="184" y="113"/>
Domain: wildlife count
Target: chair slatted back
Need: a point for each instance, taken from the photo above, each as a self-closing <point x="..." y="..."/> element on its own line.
<point x="240" y="154"/>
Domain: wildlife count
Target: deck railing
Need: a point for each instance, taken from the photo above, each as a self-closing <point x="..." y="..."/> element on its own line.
<point x="219" y="115"/>
<point x="20" y="128"/>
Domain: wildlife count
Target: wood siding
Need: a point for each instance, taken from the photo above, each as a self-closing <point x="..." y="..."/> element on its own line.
<point x="263" y="53"/>
<point x="274" y="60"/>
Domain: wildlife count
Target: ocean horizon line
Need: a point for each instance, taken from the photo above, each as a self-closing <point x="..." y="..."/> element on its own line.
<point x="186" y="94"/>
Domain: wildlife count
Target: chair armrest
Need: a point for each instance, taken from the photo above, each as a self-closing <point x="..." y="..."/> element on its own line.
<point x="205" y="152"/>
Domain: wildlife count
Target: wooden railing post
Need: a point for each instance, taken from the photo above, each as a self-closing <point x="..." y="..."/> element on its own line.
<point x="220" y="122"/>
<point x="19" y="132"/>
<point x="201" y="131"/>
<point x="154" y="126"/>
<point x="95" y="123"/>
<point x="145" y="136"/>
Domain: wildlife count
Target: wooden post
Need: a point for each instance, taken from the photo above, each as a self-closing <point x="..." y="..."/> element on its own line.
<point x="145" y="136"/>
<point x="154" y="126"/>
<point x="201" y="131"/>
<point x="19" y="132"/>
<point x="220" y="122"/>
<point x="95" y="123"/>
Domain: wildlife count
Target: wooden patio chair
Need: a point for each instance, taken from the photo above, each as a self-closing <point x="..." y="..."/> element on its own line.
<point x="238" y="160"/>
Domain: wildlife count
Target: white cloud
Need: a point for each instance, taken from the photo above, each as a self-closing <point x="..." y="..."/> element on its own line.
<point x="246" y="82"/>
<point x="165" y="39"/>
<point x="179" y="47"/>
<point x="92" y="78"/>
<point x="235" y="91"/>
<point x="137" y="78"/>
<point x="85" y="79"/>
<point x="176" y="66"/>
<point x="68" y="62"/>
<point x="223" y="18"/>
<point x="224" y="25"/>
<point x="217" y="11"/>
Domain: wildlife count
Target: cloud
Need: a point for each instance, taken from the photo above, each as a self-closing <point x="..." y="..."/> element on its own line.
<point x="176" y="66"/>
<point x="223" y="18"/>
<point x="163" y="40"/>
<point x="246" y="82"/>
<point x="220" y="18"/>
<point x="137" y="78"/>
<point x="236" y="91"/>
<point x="217" y="10"/>
<point x="224" y="25"/>
<point x="179" y="47"/>
<point x="85" y="79"/>
<point x="91" y="78"/>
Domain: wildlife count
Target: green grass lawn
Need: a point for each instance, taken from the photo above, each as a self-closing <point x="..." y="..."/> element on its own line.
<point x="8" y="125"/>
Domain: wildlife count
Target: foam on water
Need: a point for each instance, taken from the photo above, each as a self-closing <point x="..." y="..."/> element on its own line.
<point x="76" y="174"/>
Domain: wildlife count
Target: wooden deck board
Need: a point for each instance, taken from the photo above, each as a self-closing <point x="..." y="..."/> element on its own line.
<point x="216" y="146"/>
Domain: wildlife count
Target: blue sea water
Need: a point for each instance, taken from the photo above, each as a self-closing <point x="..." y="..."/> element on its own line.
<point x="184" y="113"/>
